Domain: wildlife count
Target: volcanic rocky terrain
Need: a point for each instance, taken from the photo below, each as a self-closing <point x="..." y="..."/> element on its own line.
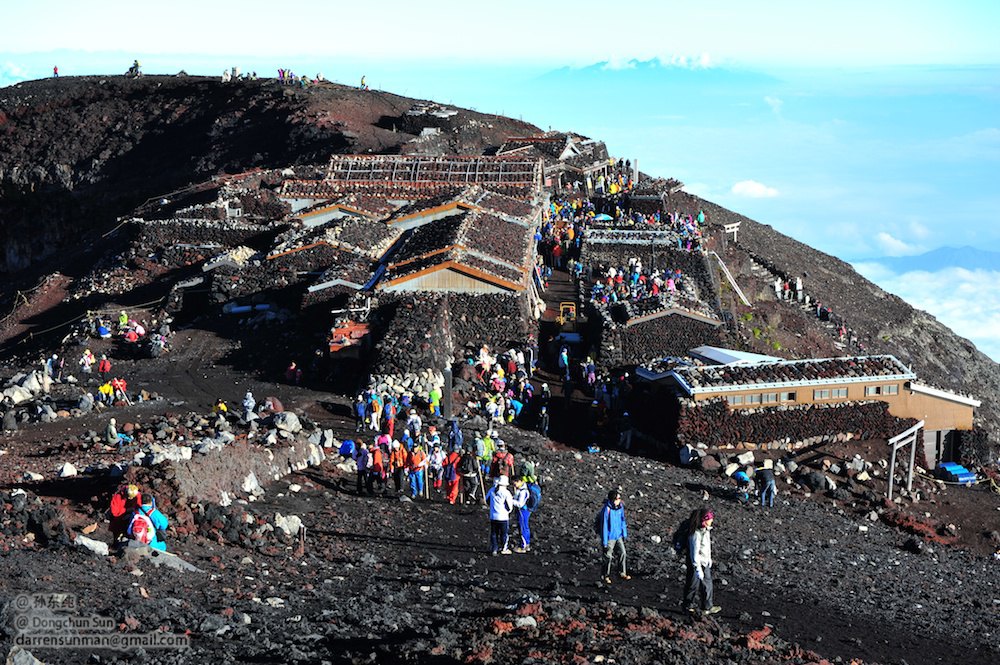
<point x="280" y="560"/>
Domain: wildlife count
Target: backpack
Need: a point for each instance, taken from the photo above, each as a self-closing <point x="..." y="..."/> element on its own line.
<point x="599" y="521"/>
<point x="141" y="528"/>
<point x="450" y="473"/>
<point x="681" y="537"/>
<point x="534" y="497"/>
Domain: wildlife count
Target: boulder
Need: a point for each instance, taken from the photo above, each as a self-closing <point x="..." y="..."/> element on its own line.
<point x="731" y="468"/>
<point x="86" y="403"/>
<point x="67" y="470"/>
<point x="287" y="422"/>
<point x="290" y="524"/>
<point x="745" y="458"/>
<point x="19" y="656"/>
<point x="251" y="485"/>
<point x="32" y="476"/>
<point x="171" y="453"/>
<point x="95" y="546"/>
<point x="17" y="394"/>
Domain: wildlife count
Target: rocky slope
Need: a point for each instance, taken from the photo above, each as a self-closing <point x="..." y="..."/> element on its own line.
<point x="76" y="152"/>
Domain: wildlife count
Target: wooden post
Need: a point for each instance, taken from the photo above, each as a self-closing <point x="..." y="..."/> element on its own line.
<point x="892" y="470"/>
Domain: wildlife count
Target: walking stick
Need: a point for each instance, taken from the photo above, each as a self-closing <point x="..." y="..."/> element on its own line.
<point x="482" y="486"/>
<point x="426" y="492"/>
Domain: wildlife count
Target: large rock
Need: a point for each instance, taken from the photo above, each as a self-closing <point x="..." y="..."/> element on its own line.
<point x="287" y="422"/>
<point x="136" y="552"/>
<point x="18" y="394"/>
<point x="160" y="454"/>
<point x="67" y="470"/>
<point x="290" y="524"/>
<point x="19" y="656"/>
<point x="745" y="458"/>
<point x="95" y="546"/>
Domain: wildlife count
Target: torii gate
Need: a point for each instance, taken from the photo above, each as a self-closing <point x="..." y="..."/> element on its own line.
<point x="909" y="437"/>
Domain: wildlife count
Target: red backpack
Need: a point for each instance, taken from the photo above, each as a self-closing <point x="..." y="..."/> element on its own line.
<point x="141" y="528"/>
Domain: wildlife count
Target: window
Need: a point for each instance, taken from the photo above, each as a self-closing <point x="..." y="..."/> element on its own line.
<point x="873" y="390"/>
<point x="821" y="394"/>
<point x="770" y="398"/>
<point x="787" y="397"/>
<point x="735" y="400"/>
<point x="891" y="390"/>
<point x="840" y="393"/>
<point x="753" y="399"/>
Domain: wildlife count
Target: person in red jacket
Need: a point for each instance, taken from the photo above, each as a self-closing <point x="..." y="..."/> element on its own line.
<point x="124" y="502"/>
<point x="104" y="368"/>
<point x="451" y="475"/>
<point x="502" y="463"/>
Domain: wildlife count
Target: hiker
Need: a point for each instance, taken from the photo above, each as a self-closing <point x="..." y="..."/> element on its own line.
<point x="436" y="466"/>
<point x="613" y="530"/>
<point x="376" y="473"/>
<point x="397" y="465"/>
<point x="55" y="71"/>
<point x="543" y="422"/>
<point x="293" y="374"/>
<point x="114" y="437"/>
<point x="86" y="361"/>
<point x="413" y="424"/>
<point x="434" y="399"/>
<point x="768" y="489"/>
<point x="742" y="479"/>
<point x="220" y="407"/>
<point x="53" y="367"/>
<point x="450" y="475"/>
<point x="699" y="562"/>
<point x="124" y="503"/>
<point x="522" y="497"/>
<point x="104" y="367"/>
<point x="249" y="403"/>
<point x="360" y="413"/>
<point x="121" y="389"/>
<point x="500" y="502"/>
<point x="456" y="439"/>
<point x="362" y="459"/>
<point x="364" y="84"/>
<point x="149" y="525"/>
<point x="416" y="464"/>
<point x="106" y="393"/>
<point x="469" y="469"/>
<point x="122" y="321"/>
<point x="502" y="463"/>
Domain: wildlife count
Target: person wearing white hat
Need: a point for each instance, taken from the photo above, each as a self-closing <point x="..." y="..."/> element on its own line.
<point x="501" y="503"/>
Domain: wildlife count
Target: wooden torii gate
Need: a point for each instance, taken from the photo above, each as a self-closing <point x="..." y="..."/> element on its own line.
<point x="907" y="438"/>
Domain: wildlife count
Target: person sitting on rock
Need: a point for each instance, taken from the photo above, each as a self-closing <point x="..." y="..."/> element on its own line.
<point x="220" y="407"/>
<point x="106" y="393"/>
<point x="114" y="437"/>
<point x="121" y="388"/>
<point x="149" y="525"/>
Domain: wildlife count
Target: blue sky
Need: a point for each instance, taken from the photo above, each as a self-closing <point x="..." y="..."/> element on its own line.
<point x="866" y="129"/>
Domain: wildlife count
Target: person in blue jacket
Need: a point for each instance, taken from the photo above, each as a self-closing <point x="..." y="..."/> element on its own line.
<point x="158" y="520"/>
<point x="614" y="532"/>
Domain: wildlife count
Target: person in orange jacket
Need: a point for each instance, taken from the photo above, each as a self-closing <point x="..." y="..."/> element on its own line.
<point x="397" y="465"/>
<point x="416" y="464"/>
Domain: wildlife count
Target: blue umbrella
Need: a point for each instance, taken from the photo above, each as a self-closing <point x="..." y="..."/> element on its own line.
<point x="603" y="218"/>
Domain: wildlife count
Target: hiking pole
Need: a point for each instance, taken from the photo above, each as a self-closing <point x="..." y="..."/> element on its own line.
<point x="482" y="486"/>
<point x="426" y="492"/>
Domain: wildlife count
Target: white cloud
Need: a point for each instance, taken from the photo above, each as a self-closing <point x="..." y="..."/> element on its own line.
<point x="616" y="63"/>
<point x="699" y="189"/>
<point x="894" y="246"/>
<point x="967" y="301"/>
<point x="700" y="61"/>
<point x="775" y="103"/>
<point x="754" y="190"/>
<point x="918" y="230"/>
<point x="11" y="72"/>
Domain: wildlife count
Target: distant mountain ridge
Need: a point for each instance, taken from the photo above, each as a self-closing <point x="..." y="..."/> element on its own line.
<point x="632" y="72"/>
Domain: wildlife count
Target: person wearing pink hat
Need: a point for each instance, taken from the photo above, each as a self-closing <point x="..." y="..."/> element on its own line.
<point x="699" y="563"/>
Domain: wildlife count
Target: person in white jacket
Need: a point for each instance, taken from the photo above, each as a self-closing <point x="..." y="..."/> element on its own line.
<point x="699" y="562"/>
<point x="501" y="503"/>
